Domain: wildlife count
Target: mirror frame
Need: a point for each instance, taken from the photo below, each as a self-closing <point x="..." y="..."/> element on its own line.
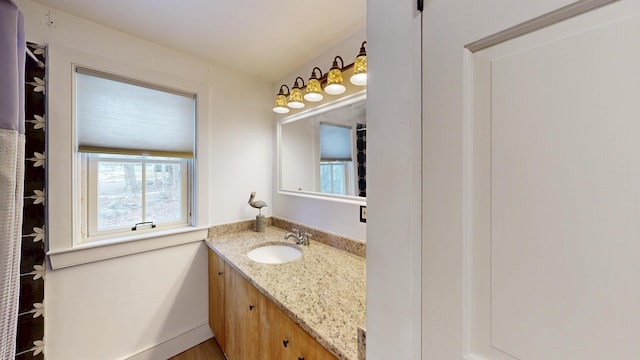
<point x="347" y="100"/>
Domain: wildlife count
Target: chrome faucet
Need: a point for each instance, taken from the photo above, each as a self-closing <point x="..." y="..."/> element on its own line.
<point x="300" y="238"/>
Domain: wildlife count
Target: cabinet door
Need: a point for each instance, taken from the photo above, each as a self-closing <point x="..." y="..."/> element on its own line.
<point x="216" y="297"/>
<point x="283" y="339"/>
<point x="306" y="348"/>
<point x="242" y="317"/>
<point x="277" y="333"/>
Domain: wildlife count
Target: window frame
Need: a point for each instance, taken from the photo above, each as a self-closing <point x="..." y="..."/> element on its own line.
<point x="89" y="170"/>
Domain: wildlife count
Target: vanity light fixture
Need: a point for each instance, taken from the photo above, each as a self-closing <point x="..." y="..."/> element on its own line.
<point x="359" y="76"/>
<point x="332" y="81"/>
<point x="281" y="101"/>
<point x="314" y="90"/>
<point x="334" y="78"/>
<point x="295" y="98"/>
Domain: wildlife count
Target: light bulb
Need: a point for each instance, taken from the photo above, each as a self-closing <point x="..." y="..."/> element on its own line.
<point x="314" y="89"/>
<point x="280" y="106"/>
<point x="334" y="82"/>
<point x="295" y="99"/>
<point x="334" y="79"/>
<point x="359" y="76"/>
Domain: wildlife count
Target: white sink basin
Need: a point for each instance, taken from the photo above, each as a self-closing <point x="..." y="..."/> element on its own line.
<point x="274" y="254"/>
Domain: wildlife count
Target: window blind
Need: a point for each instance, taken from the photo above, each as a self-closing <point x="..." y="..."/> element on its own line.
<point x="115" y="115"/>
<point x="335" y="143"/>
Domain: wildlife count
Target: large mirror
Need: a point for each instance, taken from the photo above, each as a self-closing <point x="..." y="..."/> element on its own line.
<point x="322" y="151"/>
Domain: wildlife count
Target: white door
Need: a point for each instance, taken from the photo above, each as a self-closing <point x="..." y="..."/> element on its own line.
<point x="547" y="258"/>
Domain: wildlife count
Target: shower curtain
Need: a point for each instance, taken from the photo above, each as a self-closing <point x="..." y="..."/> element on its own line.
<point x="12" y="141"/>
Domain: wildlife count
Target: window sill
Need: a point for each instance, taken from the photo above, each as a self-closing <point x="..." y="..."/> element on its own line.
<point x="108" y="249"/>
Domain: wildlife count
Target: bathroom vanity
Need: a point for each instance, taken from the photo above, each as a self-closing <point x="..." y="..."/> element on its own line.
<point x="307" y="308"/>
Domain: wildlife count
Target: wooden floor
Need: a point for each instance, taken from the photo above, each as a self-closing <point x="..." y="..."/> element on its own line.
<point x="208" y="350"/>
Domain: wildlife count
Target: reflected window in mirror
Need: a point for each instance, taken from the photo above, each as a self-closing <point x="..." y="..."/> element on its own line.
<point x="335" y="177"/>
<point x="336" y="159"/>
<point x="323" y="150"/>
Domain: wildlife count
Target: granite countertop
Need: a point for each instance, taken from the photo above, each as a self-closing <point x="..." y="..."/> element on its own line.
<point x="323" y="291"/>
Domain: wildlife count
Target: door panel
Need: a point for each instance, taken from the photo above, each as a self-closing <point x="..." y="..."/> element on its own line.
<point x="553" y="268"/>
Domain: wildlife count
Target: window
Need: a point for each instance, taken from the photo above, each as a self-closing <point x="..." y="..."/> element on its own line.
<point x="334" y="177"/>
<point x="336" y="163"/>
<point x="141" y="192"/>
<point x="135" y="142"/>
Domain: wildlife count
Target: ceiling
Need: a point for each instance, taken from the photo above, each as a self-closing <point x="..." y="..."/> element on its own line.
<point x="268" y="38"/>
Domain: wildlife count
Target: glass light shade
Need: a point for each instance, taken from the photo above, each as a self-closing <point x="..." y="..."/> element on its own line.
<point x="314" y="91"/>
<point x="281" y="105"/>
<point x="334" y="83"/>
<point x="359" y="76"/>
<point x="295" y="99"/>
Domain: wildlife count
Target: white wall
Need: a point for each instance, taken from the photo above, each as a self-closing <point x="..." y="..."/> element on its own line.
<point x="447" y="27"/>
<point x="116" y="308"/>
<point x="241" y="141"/>
<point x="340" y="217"/>
<point x="119" y="307"/>
<point x="394" y="175"/>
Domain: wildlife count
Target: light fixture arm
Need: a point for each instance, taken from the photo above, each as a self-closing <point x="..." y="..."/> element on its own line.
<point x="363" y="50"/>
<point x="282" y="92"/>
<point x="335" y="63"/>
<point x="295" y="84"/>
<point x="313" y="73"/>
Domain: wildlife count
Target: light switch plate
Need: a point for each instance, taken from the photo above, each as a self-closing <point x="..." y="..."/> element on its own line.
<point x="363" y="214"/>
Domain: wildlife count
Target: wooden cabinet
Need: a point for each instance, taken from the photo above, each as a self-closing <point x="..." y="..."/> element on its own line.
<point x="278" y="336"/>
<point x="247" y="325"/>
<point x="307" y="348"/>
<point x="281" y="338"/>
<point x="216" y="297"/>
<point x="242" y="317"/>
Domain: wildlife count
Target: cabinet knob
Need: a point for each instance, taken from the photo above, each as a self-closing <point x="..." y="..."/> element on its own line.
<point x="285" y="343"/>
<point x="300" y="358"/>
<point x="220" y="274"/>
<point x="251" y="307"/>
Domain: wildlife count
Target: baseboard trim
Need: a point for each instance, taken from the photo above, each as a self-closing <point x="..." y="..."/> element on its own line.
<point x="175" y="345"/>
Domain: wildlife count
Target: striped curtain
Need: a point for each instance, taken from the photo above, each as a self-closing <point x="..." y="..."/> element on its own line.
<point x="12" y="141"/>
<point x="361" y="158"/>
